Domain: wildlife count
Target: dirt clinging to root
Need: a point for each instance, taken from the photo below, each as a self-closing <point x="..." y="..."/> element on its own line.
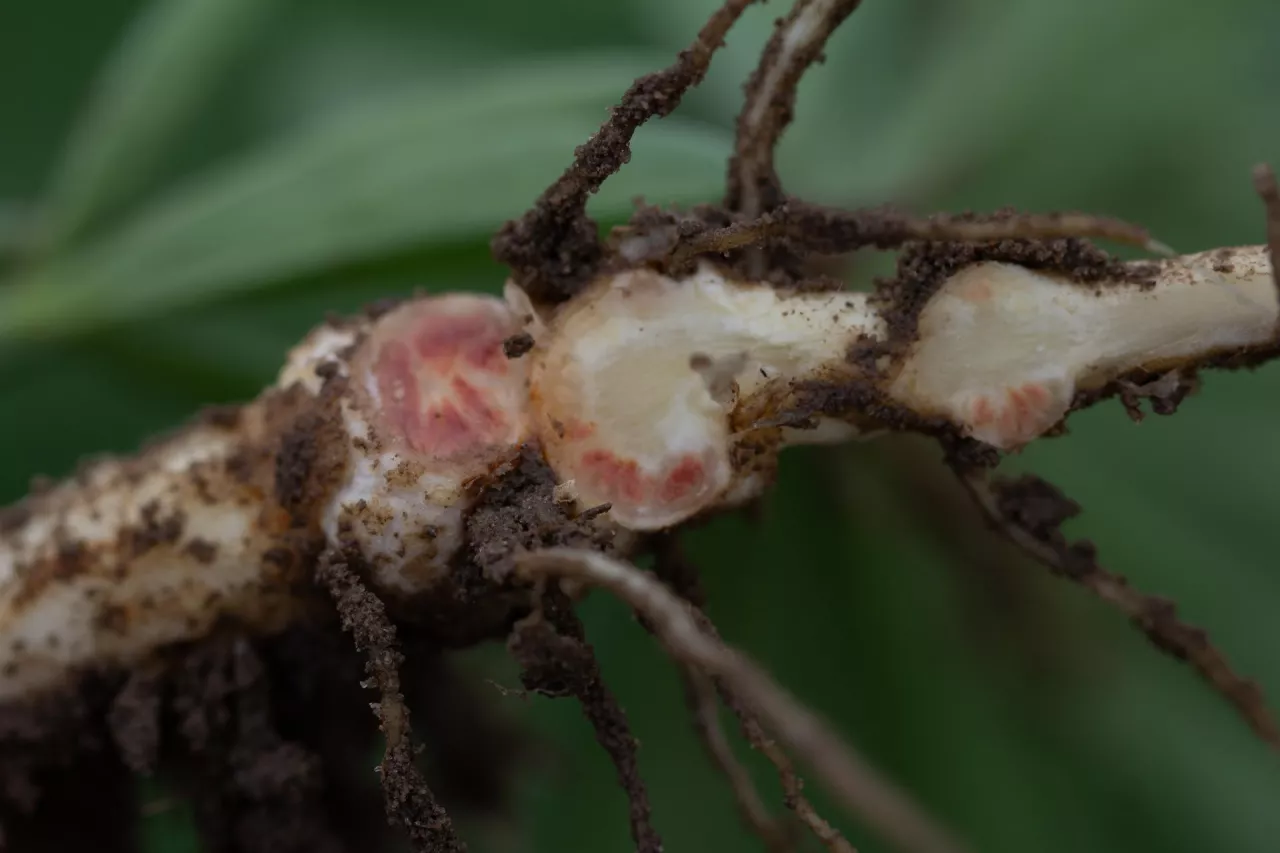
<point x="555" y="248"/>
<point x="266" y="740"/>
<point x="556" y="660"/>
<point x="410" y="804"/>
<point x="770" y="93"/>
<point x="518" y="512"/>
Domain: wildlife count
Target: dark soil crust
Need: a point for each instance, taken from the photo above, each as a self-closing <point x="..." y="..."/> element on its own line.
<point x="270" y="741"/>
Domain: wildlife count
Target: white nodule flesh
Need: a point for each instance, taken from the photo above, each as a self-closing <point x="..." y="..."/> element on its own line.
<point x="632" y="394"/>
<point x="418" y="445"/>
<point x="1003" y="349"/>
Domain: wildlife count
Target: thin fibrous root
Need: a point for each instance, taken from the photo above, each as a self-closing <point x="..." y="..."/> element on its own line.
<point x="702" y="699"/>
<point x="832" y="231"/>
<point x="409" y="802"/>
<point x="796" y="43"/>
<point x="675" y="570"/>
<point x="859" y="787"/>
<point x="682" y="576"/>
<point x="792" y="785"/>
<point x="556" y="660"/>
<point x="554" y="247"/>
<point x="1030" y="512"/>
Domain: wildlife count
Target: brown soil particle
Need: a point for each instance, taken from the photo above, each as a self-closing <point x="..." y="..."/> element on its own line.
<point x="556" y="660"/>
<point x="1040" y="509"/>
<point x="312" y="457"/>
<point x="872" y="408"/>
<point x="794" y="231"/>
<point x="1164" y="392"/>
<point x="518" y="511"/>
<point x="155" y="531"/>
<point x="134" y="719"/>
<point x="409" y="802"/>
<point x="296" y="459"/>
<point x="517" y="345"/>
<point x="555" y="248"/>
<point x="223" y="416"/>
<point x="202" y="550"/>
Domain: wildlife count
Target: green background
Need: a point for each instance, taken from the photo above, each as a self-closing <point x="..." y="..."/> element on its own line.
<point x="186" y="187"/>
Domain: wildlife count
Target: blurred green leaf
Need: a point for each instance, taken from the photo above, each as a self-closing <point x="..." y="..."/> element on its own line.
<point x="232" y="348"/>
<point x="12" y="228"/>
<point x="151" y="88"/>
<point x="422" y="167"/>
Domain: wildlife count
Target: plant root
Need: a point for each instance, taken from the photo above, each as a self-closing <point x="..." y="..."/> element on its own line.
<point x="1030" y="512"/>
<point x="674" y="569"/>
<point x="252" y="789"/>
<point x="769" y="106"/>
<point x="861" y="789"/>
<point x="556" y="660"/>
<point x="555" y="247"/>
<point x="409" y="802"/>
<point x="792" y="785"/>
<point x="805" y="228"/>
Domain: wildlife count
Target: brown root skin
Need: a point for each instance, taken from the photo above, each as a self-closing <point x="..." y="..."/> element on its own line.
<point x="555" y="248"/>
<point x="1264" y="182"/>
<point x="1030" y="512"/>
